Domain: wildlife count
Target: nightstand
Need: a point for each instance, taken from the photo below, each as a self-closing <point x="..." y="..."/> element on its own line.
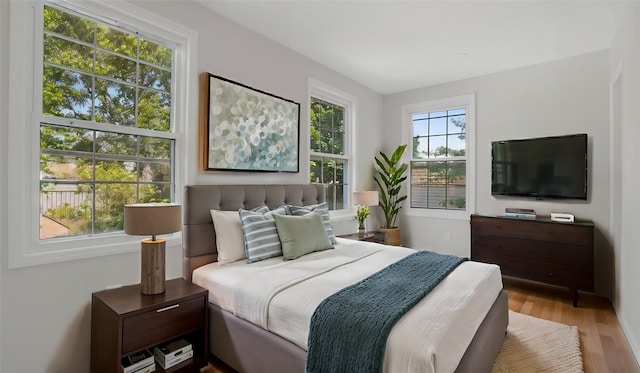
<point x="124" y="321"/>
<point x="377" y="237"/>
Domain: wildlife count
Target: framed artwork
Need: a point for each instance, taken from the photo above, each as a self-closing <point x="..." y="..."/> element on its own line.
<point x="250" y="130"/>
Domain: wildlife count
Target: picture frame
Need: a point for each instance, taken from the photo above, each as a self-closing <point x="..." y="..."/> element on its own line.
<point x="249" y="129"/>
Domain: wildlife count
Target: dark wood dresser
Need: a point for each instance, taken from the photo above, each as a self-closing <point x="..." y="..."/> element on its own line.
<point x="537" y="249"/>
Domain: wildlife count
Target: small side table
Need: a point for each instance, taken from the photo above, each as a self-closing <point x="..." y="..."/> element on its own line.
<point x="124" y="321"/>
<point x="377" y="237"/>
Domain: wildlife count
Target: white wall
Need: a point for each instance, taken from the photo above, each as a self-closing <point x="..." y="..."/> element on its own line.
<point x="45" y="313"/>
<point x="555" y="98"/>
<point x="625" y="64"/>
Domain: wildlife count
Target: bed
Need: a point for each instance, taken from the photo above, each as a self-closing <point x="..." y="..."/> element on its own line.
<point x="246" y="347"/>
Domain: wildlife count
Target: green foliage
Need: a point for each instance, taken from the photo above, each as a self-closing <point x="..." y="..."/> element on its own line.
<point x="390" y="175"/>
<point x="94" y="72"/>
<point x="362" y="213"/>
<point x="457" y="203"/>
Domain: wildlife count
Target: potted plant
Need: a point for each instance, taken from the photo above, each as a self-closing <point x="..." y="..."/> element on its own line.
<point x="390" y="174"/>
<point x="361" y="215"/>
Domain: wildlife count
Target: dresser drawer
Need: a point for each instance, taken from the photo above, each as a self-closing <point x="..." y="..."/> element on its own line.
<point x="550" y="273"/>
<point x="162" y="323"/>
<point x="550" y="252"/>
<point x="572" y="234"/>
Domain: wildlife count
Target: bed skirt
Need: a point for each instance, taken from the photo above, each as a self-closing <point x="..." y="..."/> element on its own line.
<point x="248" y="348"/>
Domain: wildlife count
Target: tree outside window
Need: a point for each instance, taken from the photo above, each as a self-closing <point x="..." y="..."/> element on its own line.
<point x="106" y="139"/>
<point x="329" y="160"/>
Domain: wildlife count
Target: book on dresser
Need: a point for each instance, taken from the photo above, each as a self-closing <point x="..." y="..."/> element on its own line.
<point x="172" y="353"/>
<point x="519" y="213"/>
<point x="138" y="362"/>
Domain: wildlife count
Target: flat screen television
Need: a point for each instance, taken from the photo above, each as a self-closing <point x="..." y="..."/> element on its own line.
<point x="546" y="167"/>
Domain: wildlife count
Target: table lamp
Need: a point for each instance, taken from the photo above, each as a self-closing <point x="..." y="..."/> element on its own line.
<point x="365" y="198"/>
<point x="151" y="219"/>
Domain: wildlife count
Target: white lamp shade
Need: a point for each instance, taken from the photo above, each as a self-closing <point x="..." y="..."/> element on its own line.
<point x="150" y="219"/>
<point x="366" y="198"/>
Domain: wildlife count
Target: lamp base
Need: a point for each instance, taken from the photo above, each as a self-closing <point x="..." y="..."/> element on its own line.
<point x="152" y="269"/>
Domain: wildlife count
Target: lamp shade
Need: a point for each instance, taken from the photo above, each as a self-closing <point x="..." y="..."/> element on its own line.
<point x="366" y="198"/>
<point x="144" y="219"/>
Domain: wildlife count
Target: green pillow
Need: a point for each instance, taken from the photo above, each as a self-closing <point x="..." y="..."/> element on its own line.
<point x="301" y="235"/>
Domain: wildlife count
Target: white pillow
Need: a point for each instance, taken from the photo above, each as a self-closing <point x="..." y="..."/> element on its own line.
<point x="229" y="238"/>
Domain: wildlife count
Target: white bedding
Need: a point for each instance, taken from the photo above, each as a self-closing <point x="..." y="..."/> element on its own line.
<point x="281" y="297"/>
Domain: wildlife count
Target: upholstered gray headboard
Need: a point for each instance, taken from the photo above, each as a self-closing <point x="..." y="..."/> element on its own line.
<point x="198" y="235"/>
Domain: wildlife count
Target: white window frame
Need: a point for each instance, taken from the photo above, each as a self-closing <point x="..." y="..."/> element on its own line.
<point x="25" y="246"/>
<point x="325" y="92"/>
<point x="466" y="101"/>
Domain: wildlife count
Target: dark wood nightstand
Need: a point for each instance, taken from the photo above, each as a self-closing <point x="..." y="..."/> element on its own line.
<point x="124" y="321"/>
<point x="377" y="237"/>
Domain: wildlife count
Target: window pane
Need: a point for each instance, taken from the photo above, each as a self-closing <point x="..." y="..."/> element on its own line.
<point x="437" y="126"/>
<point x="315" y="139"/>
<point x="64" y="168"/>
<point x="155" y="171"/>
<point x="456" y="146"/>
<point x="420" y="127"/>
<point x="155" y="193"/>
<point x="66" y="93"/>
<point x="65" y="138"/>
<point x="117" y="41"/>
<point x="455" y="112"/>
<point x="154" y="111"/>
<point x="438" y="185"/>
<point x="438" y="114"/>
<point x="155" y="53"/>
<point x="437" y="146"/>
<point x="115" y="143"/>
<point x="115" y="103"/>
<point x="110" y="201"/>
<point x="457" y="124"/>
<point x="116" y="67"/>
<point x="153" y="147"/>
<point x="315" y="171"/>
<point x="67" y="24"/>
<point x="154" y="77"/>
<point x="420" y="147"/>
<point x="107" y="170"/>
<point x="67" y="53"/>
<point x="65" y="210"/>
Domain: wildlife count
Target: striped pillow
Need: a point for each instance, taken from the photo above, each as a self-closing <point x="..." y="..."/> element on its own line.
<point x="323" y="210"/>
<point x="261" y="240"/>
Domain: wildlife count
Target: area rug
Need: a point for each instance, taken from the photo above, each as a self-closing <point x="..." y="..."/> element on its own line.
<point x="536" y="345"/>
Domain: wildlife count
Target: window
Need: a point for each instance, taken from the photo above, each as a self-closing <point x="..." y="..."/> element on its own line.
<point x="330" y="148"/>
<point x="439" y="147"/>
<point x="99" y="98"/>
<point x="105" y="136"/>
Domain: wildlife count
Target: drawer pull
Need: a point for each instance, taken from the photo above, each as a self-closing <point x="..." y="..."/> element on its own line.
<point x="168" y="308"/>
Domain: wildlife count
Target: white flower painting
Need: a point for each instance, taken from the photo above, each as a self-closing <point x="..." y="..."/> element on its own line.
<point x="250" y="130"/>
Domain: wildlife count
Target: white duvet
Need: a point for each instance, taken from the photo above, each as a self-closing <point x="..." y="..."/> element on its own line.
<point x="281" y="296"/>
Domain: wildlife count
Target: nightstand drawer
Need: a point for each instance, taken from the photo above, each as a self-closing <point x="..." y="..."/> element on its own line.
<point x="162" y="323"/>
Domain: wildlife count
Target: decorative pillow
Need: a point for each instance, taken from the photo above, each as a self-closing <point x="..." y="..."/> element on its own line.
<point x="323" y="209"/>
<point x="229" y="239"/>
<point x="301" y="235"/>
<point x="260" y="234"/>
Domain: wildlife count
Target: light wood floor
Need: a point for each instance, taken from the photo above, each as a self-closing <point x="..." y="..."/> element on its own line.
<point x="604" y="345"/>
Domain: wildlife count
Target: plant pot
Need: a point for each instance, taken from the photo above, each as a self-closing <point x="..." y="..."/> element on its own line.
<point x="391" y="236"/>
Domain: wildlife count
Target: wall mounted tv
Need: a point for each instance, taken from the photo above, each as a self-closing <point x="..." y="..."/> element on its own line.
<point x="546" y="167"/>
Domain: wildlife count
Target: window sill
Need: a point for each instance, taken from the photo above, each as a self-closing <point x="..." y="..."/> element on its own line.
<point x="439" y="214"/>
<point x="62" y="250"/>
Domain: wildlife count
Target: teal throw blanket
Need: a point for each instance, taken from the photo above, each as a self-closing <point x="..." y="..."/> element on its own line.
<point x="349" y="329"/>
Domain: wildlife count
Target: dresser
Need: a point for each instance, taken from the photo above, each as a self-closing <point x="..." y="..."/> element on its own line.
<point x="537" y="249"/>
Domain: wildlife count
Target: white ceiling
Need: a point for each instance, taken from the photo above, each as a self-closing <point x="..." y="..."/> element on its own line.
<point x="394" y="46"/>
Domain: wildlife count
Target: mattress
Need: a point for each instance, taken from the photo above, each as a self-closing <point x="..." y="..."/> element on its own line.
<point x="280" y="296"/>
